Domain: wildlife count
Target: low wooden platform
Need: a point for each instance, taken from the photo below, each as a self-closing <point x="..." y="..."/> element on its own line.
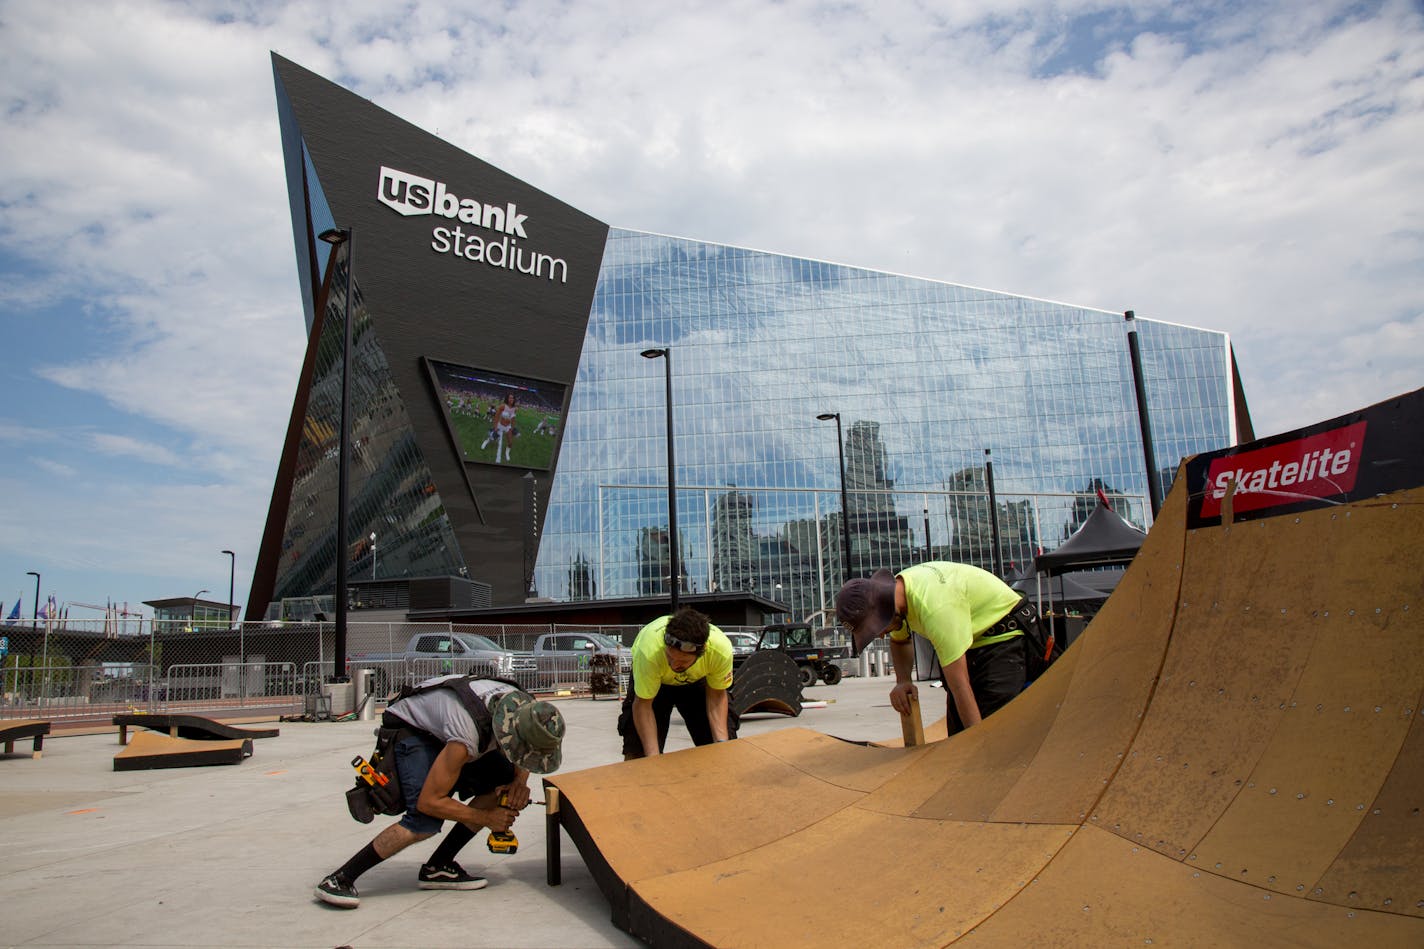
<point x="195" y="727"/>
<point x="20" y="729"/>
<point x="150" y="751"/>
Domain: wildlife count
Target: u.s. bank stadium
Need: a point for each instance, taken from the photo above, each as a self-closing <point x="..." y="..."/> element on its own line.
<point x="509" y="444"/>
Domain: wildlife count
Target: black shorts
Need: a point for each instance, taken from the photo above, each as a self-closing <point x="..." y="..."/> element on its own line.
<point x="996" y="674"/>
<point x="691" y="703"/>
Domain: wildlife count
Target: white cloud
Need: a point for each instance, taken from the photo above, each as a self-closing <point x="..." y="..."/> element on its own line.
<point x="125" y="447"/>
<point x="51" y="467"/>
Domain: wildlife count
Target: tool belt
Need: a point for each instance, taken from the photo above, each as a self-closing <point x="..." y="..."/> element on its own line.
<point x="1022" y="618"/>
<point x="1040" y="645"/>
<point x="366" y="800"/>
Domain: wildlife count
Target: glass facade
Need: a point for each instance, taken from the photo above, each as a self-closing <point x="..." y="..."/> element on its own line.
<point x="926" y="376"/>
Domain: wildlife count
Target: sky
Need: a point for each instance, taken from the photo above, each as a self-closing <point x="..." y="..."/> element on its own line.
<point x="1252" y="168"/>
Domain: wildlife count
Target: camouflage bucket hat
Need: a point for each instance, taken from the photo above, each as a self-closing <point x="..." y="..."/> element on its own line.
<point x="529" y="732"/>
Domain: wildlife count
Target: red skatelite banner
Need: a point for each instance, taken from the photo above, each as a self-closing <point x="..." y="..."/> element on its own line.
<point x="1318" y="466"/>
<point x="1370" y="453"/>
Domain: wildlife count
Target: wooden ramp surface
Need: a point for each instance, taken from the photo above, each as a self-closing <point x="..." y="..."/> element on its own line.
<point x="150" y="751"/>
<point x="1231" y="754"/>
<point x="13" y="730"/>
<point x="195" y="727"/>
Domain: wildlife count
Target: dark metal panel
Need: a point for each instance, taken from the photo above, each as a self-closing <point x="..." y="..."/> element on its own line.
<point x="425" y="302"/>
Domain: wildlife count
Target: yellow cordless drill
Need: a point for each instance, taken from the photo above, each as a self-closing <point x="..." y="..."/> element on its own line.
<point x="503" y="841"/>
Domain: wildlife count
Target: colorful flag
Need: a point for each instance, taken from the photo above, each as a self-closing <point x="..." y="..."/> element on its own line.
<point x="14" y="613"/>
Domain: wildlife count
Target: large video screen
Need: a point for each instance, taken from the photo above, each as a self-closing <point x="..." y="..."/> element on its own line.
<point x="499" y="419"/>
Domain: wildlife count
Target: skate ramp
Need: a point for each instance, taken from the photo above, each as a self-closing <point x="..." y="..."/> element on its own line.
<point x="195" y="727"/>
<point x="1231" y="754"/>
<point x="150" y="751"/>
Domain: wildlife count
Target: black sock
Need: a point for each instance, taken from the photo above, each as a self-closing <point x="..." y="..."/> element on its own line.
<point x="445" y="853"/>
<point x="359" y="864"/>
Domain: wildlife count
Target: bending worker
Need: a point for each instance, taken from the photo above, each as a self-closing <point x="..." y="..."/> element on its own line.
<point x="460" y="736"/>
<point x="680" y="662"/>
<point x="973" y="619"/>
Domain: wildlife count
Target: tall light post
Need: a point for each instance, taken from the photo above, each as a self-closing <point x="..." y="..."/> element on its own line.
<point x="44" y="662"/>
<point x="1144" y="421"/>
<point x="337" y="236"/>
<point x="998" y="557"/>
<point x="373" y="555"/>
<point x="193" y="613"/>
<point x="845" y="502"/>
<point x="241" y="644"/>
<point x="675" y="570"/>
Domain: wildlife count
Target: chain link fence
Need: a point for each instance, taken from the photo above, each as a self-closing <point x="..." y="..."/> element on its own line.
<point x="80" y="673"/>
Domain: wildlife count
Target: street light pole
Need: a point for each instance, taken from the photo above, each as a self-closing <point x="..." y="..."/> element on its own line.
<point x="998" y="557"/>
<point x="1144" y="421"/>
<point x="675" y="579"/>
<point x="845" y="503"/>
<point x="193" y="613"/>
<point x="241" y="644"/>
<point x="337" y="236"/>
<point x="44" y="662"/>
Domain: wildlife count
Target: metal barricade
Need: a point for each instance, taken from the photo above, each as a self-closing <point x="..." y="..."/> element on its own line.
<point x="226" y="687"/>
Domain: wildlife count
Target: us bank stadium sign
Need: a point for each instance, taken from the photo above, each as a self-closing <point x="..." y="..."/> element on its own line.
<point x="482" y="233"/>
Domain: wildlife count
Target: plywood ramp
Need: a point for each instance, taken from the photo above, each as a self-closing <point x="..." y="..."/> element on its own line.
<point x="196" y="727"/>
<point x="1231" y="754"/>
<point x="150" y="751"/>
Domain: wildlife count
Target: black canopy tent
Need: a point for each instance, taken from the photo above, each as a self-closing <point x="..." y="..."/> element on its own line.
<point x="1104" y="539"/>
<point x="1087" y="587"/>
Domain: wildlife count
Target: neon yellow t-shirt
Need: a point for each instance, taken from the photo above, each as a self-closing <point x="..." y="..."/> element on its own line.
<point x="651" y="670"/>
<point x="952" y="604"/>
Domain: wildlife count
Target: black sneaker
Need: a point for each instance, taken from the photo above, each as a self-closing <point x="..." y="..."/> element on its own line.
<point x="449" y="877"/>
<point x="336" y="891"/>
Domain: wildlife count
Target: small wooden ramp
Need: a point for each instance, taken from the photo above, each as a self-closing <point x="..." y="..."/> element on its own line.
<point x="151" y="751"/>
<point x="1231" y="754"/>
<point x="195" y="727"/>
<point x="13" y="730"/>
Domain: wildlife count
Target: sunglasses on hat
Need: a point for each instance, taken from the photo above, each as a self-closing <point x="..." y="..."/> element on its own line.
<point x="683" y="645"/>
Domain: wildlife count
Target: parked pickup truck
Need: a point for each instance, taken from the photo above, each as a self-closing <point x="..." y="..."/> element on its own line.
<point x="583" y="655"/>
<point x="808" y="647"/>
<point x="575" y="650"/>
<point x="442" y="653"/>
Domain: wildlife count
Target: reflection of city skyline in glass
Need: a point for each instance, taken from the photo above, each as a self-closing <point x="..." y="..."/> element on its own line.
<point x="926" y="376"/>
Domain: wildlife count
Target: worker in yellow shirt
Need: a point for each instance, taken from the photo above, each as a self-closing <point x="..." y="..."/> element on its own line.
<point x="680" y="662"/>
<point x="974" y="620"/>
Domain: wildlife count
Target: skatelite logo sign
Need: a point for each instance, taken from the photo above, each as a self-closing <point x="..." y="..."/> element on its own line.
<point x="1321" y="465"/>
<point x="413" y="195"/>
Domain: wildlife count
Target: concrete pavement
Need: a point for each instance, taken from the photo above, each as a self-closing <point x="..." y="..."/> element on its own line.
<point x="229" y="855"/>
